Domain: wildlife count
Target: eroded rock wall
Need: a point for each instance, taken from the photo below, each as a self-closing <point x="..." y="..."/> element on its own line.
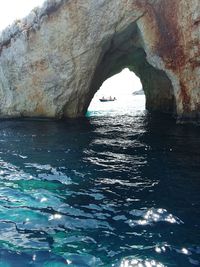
<point x="53" y="61"/>
<point x="171" y="33"/>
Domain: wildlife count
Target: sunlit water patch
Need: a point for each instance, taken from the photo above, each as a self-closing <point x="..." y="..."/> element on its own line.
<point x="124" y="105"/>
<point x="102" y="191"/>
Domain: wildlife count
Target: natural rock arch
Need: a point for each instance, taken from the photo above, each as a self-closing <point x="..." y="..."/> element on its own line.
<point x="53" y="61"/>
<point x="125" y="50"/>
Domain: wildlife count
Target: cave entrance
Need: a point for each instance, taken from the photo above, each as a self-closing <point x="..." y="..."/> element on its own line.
<point x="126" y="50"/>
<point x="125" y="88"/>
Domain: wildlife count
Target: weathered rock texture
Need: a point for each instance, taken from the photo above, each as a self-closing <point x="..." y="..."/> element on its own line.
<point x="53" y="61"/>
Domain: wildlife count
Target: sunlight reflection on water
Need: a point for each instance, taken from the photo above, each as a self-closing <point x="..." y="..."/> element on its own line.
<point x="140" y="263"/>
<point x="126" y="105"/>
<point x="99" y="192"/>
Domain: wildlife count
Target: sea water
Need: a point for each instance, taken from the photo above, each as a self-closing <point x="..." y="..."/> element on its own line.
<point x="120" y="187"/>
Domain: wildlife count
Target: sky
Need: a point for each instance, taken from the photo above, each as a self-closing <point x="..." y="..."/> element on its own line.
<point x="16" y="9"/>
<point x="123" y="83"/>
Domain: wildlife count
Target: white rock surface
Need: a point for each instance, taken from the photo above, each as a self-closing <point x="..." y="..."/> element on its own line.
<point x="49" y="60"/>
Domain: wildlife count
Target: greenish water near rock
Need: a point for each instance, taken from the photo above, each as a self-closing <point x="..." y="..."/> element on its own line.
<point x="108" y="190"/>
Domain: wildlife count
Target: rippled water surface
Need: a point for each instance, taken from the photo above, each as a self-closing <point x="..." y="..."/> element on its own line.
<point x="107" y="190"/>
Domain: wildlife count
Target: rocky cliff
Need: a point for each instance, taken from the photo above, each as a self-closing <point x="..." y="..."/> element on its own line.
<point x="54" y="60"/>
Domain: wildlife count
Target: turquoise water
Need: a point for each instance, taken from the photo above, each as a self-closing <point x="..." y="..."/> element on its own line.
<point x="118" y="188"/>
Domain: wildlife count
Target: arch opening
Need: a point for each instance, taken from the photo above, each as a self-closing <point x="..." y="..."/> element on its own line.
<point x="118" y="95"/>
<point x="126" y="50"/>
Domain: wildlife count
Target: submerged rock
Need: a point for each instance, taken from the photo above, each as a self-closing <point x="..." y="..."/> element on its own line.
<point x="54" y="60"/>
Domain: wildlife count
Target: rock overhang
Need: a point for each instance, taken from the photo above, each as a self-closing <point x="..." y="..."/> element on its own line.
<point x="53" y="61"/>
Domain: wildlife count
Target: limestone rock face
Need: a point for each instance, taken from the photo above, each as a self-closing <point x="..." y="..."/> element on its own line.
<point x="54" y="60"/>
